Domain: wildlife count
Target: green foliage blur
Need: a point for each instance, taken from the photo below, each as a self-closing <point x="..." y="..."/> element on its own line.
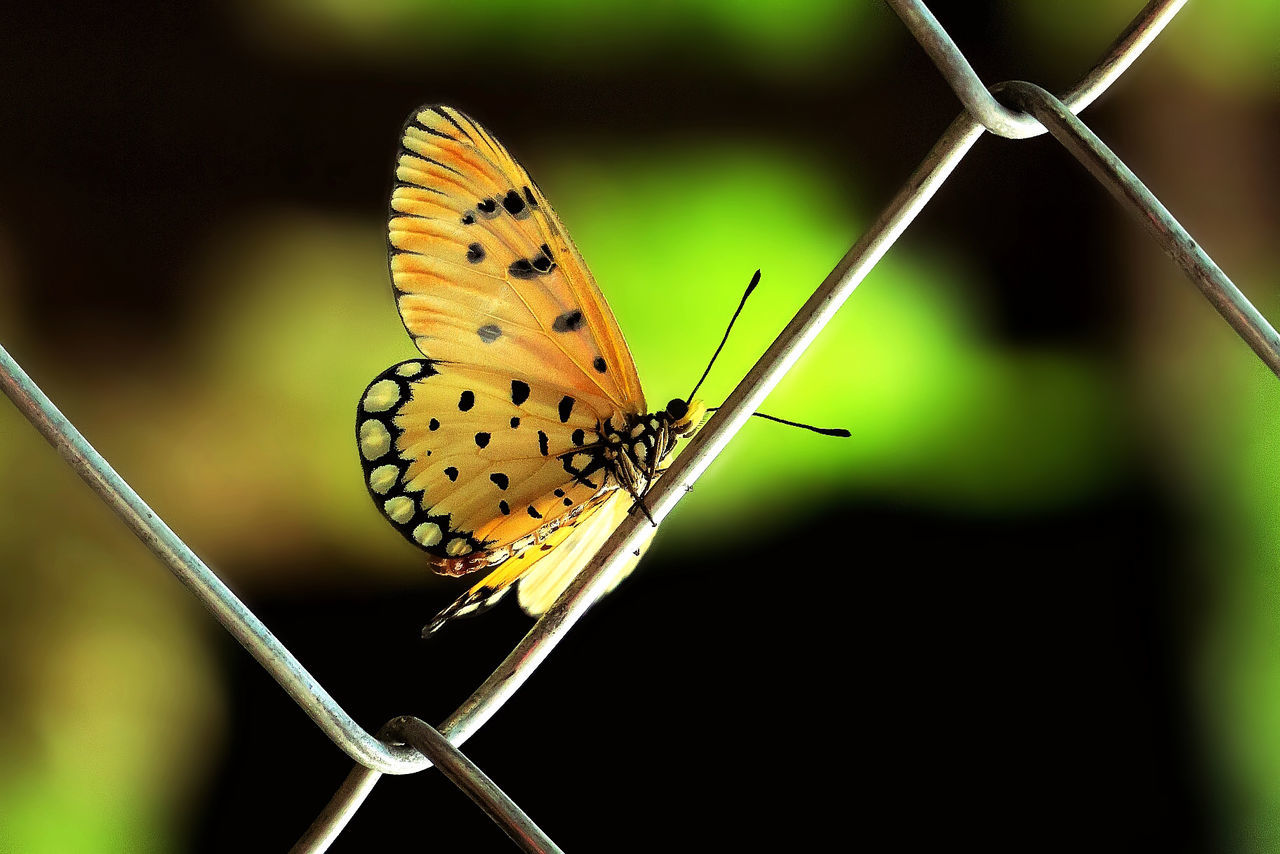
<point x="230" y="407"/>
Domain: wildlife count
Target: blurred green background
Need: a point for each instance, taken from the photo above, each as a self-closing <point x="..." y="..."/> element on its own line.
<point x="1034" y="597"/>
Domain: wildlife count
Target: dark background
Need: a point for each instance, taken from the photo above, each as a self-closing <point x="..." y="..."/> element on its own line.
<point x="1091" y="668"/>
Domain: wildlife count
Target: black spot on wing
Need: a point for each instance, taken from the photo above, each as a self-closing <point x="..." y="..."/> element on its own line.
<point x="522" y="269"/>
<point x="600" y="364"/>
<point x="467" y="400"/>
<point x="570" y="321"/>
<point x="488" y="208"/>
<point x="489" y="333"/>
<point x="566" y="408"/>
<point x="542" y="442"/>
<point x="433" y="424"/>
<point x="519" y="392"/>
<point x="452" y="473"/>
<point x="514" y="204"/>
<point x="505" y="508"/>
<point x="500" y="480"/>
<point x="595" y="464"/>
<point x="482" y="440"/>
<point x="533" y="512"/>
<point x="559" y="493"/>
<point x="528" y="197"/>
<point x="515" y="421"/>
<point x="468" y="219"/>
<point x="475" y="253"/>
<point x="579" y="436"/>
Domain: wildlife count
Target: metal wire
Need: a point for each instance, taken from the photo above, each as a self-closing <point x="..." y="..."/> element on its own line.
<point x="376" y="757"/>
<point x="998" y="118"/>
<point x="464" y="774"/>
<point x="199" y="579"/>
<point x="1103" y="164"/>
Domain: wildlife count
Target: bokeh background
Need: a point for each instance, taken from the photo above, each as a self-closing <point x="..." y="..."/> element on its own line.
<point x="1032" y="601"/>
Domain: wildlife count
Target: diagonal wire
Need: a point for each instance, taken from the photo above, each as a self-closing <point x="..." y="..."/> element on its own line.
<point x="590" y="584"/>
<point x="1119" y="179"/>
<point x="274" y="657"/>
<point x="464" y="774"/>
<point x="1041" y="111"/>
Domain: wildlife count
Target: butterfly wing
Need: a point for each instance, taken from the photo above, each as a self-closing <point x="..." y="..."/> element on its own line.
<point x="544" y="572"/>
<point x="472" y="453"/>
<point x="540" y="587"/>
<point x="464" y="461"/>
<point x="485" y="273"/>
<point x="481" y="453"/>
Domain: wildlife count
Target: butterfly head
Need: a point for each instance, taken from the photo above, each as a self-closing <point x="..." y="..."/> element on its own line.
<point x="685" y="417"/>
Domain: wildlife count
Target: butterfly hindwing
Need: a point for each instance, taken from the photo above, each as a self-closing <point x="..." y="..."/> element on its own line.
<point x="462" y="459"/>
<point x="543" y="584"/>
<point x="543" y="572"/>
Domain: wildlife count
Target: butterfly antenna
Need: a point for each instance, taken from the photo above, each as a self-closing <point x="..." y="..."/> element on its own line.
<point x="755" y="280"/>
<point x="839" y="432"/>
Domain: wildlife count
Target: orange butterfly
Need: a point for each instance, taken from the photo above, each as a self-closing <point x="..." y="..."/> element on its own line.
<point x="523" y="439"/>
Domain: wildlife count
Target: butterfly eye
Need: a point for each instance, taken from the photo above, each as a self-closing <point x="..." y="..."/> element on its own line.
<point x="677" y="409"/>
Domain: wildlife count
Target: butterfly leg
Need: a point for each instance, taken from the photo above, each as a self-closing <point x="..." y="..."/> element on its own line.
<point x="644" y="507"/>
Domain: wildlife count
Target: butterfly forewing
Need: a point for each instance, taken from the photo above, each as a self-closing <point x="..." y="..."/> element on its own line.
<point x="484" y="271"/>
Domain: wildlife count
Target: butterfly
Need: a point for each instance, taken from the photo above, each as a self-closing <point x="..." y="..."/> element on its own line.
<point x="521" y="439"/>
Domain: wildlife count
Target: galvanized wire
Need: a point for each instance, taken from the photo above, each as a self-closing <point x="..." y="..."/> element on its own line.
<point x="199" y="579"/>
<point x="464" y="774"/>
<point x="996" y="117"/>
<point x="1120" y="181"/>
<point x="1041" y="112"/>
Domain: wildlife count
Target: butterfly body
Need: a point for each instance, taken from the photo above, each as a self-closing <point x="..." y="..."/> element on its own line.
<point x="523" y="437"/>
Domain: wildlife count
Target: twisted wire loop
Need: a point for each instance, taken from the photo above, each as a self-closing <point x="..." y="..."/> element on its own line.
<point x="468" y="777"/>
<point x="996" y="117"/>
<point x="1039" y="111"/>
<point x="1132" y="194"/>
<point x="589" y="585"/>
